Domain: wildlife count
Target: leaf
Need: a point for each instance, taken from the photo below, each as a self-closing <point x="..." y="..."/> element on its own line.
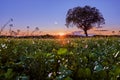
<point x="68" y="78"/>
<point x="62" y="51"/>
<point x="88" y="72"/>
<point x="80" y="72"/>
<point x="23" y="77"/>
<point x="9" y="74"/>
<point x="98" y="67"/>
<point x="117" y="71"/>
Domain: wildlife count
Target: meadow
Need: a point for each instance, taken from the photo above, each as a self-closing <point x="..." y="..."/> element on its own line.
<point x="60" y="59"/>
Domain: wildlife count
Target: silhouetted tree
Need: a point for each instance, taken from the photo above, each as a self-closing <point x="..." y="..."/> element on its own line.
<point x="84" y="18"/>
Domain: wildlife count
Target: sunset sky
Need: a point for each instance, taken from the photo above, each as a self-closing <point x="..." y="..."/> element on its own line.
<point x="49" y="15"/>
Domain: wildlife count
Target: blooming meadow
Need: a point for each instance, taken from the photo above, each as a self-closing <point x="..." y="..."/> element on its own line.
<point x="60" y="59"/>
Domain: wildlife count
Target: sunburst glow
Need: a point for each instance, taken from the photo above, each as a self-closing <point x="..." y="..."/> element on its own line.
<point x="61" y="33"/>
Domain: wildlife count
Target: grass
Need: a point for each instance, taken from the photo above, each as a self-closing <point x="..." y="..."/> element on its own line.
<point x="60" y="59"/>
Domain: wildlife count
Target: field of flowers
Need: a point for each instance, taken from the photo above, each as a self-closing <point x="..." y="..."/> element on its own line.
<point x="60" y="59"/>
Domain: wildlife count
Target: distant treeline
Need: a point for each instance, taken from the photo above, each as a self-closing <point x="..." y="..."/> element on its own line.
<point x="57" y="36"/>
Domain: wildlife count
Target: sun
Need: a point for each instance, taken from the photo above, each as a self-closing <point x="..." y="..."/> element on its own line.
<point x="61" y="33"/>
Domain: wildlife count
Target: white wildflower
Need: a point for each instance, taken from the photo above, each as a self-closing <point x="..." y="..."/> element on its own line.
<point x="58" y="61"/>
<point x="86" y="46"/>
<point x="50" y="74"/>
<point x="3" y="46"/>
<point x="116" y="54"/>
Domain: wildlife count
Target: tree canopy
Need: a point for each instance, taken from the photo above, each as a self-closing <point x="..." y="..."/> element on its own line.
<point x="84" y="18"/>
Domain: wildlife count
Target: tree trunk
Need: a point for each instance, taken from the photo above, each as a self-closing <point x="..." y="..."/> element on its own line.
<point x="86" y="33"/>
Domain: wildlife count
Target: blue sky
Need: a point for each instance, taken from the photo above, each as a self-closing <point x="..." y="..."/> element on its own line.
<point x="49" y="15"/>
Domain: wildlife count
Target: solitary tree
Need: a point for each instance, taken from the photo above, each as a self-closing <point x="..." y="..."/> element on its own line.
<point x="84" y="18"/>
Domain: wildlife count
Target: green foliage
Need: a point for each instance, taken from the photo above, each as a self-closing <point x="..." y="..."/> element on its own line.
<point x="9" y="74"/>
<point x="62" y="51"/>
<point x="65" y="59"/>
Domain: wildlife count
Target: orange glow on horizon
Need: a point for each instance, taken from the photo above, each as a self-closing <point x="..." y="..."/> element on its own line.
<point x="61" y="33"/>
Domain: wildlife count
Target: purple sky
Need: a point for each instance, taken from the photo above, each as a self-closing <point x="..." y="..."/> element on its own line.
<point x="49" y="15"/>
